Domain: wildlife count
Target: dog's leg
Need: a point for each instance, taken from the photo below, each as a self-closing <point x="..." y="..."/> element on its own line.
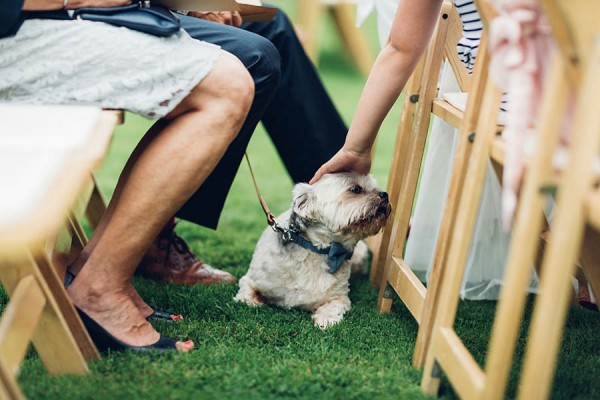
<point x="248" y="294"/>
<point x="331" y="312"/>
<point x="359" y="263"/>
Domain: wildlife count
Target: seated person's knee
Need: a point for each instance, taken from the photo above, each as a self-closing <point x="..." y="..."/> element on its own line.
<point x="266" y="68"/>
<point x="237" y="85"/>
<point x="260" y="57"/>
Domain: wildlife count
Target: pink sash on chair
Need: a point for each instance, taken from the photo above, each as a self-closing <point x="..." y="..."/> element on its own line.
<point x="521" y="47"/>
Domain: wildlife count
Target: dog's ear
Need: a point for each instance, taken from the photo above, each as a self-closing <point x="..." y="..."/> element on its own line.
<point x="303" y="199"/>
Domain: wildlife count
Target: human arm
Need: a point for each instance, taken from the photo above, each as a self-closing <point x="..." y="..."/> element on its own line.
<point x="413" y="25"/>
<point x="232" y="18"/>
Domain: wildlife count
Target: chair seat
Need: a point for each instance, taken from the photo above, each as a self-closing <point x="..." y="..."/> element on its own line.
<point x="46" y="159"/>
<point x="34" y="172"/>
<point x="456" y="103"/>
<point x="53" y="127"/>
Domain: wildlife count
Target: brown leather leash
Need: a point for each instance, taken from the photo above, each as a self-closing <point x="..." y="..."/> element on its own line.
<point x="336" y="253"/>
<point x="270" y="216"/>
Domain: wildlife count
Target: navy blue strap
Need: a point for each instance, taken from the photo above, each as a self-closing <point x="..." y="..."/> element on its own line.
<point x="336" y="253"/>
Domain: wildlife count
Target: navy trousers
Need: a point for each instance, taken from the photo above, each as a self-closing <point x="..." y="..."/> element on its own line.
<point x="290" y="100"/>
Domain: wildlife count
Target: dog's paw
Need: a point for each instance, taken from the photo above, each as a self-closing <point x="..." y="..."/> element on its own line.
<point x="250" y="296"/>
<point x="248" y="293"/>
<point x="248" y="302"/>
<point x="251" y="301"/>
<point x="324" y="321"/>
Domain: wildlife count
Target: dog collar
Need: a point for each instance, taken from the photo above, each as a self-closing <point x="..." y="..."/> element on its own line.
<point x="336" y="252"/>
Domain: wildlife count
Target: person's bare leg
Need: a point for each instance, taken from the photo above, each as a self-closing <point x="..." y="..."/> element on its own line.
<point x="202" y="127"/>
<point x="155" y="129"/>
<point x="78" y="264"/>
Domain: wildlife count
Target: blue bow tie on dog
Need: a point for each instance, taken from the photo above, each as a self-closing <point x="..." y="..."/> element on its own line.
<point x="336" y="253"/>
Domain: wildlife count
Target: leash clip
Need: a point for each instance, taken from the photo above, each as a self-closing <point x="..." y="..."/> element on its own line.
<point x="274" y="225"/>
<point x="286" y="233"/>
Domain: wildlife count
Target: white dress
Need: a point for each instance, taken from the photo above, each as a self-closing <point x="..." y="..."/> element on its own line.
<point x="92" y="63"/>
<point x="487" y="256"/>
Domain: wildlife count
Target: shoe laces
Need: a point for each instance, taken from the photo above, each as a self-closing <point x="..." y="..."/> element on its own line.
<point x="169" y="239"/>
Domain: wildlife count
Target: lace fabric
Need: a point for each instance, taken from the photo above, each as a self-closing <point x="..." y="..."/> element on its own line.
<point x="91" y="63"/>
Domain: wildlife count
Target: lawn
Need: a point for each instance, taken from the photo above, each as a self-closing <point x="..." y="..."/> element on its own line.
<point x="270" y="353"/>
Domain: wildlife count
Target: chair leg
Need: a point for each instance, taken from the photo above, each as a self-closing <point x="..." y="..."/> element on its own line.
<point x="565" y="242"/>
<point x="416" y="147"/>
<point x="96" y="206"/>
<point x="344" y="16"/>
<point x="529" y="222"/>
<point x="310" y="13"/>
<point x="463" y="229"/>
<point x="53" y="339"/>
<point x="459" y="169"/>
<point x="9" y="388"/>
<point x="439" y="266"/>
<point x="398" y="166"/>
<point x="63" y="309"/>
<point x="19" y="322"/>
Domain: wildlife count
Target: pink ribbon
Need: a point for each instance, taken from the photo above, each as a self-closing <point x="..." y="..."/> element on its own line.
<point x="520" y="46"/>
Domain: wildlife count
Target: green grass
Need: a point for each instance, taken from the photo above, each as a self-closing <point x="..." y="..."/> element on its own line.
<point x="269" y="353"/>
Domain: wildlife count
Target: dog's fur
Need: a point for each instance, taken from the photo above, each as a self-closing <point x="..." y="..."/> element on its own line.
<point x="343" y="208"/>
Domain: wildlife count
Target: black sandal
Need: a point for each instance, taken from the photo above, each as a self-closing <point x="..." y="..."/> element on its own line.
<point x="163" y="316"/>
<point x="105" y="341"/>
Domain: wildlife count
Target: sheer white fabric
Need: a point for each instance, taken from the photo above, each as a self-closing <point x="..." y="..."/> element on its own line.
<point x="91" y="63"/>
<point x="485" y="266"/>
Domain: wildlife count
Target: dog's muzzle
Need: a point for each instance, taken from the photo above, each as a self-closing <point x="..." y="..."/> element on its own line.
<point x="384" y="207"/>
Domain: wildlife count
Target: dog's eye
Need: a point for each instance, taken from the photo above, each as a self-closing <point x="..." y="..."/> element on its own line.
<point x="356" y="189"/>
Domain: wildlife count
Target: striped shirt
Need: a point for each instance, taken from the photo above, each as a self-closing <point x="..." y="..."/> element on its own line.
<point x="472" y="28"/>
<point x="469" y="43"/>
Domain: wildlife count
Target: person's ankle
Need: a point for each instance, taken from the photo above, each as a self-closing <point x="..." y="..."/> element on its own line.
<point x="78" y="263"/>
<point x="94" y="294"/>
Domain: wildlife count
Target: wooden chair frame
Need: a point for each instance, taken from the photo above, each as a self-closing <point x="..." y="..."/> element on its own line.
<point x="446" y="351"/>
<point x="397" y="276"/>
<point x="32" y="273"/>
<point x="576" y="226"/>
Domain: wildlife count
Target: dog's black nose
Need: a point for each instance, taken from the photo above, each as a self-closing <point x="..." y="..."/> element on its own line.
<point x="383" y="195"/>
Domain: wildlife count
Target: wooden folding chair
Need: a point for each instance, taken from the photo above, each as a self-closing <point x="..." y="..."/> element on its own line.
<point x="310" y="18"/>
<point x="398" y="276"/>
<point x="577" y="212"/>
<point x="419" y="99"/>
<point x="447" y="353"/>
<point x="39" y="309"/>
<point x="576" y="206"/>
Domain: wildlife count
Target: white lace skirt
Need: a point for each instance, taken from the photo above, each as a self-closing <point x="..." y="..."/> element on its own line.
<point x="91" y="63"/>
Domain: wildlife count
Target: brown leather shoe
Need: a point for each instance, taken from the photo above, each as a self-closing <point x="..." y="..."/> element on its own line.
<point x="169" y="259"/>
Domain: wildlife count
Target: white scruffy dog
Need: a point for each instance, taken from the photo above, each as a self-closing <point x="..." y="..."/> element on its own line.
<point x="305" y="263"/>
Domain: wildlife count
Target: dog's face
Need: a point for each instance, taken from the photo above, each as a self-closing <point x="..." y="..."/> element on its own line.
<point x="342" y="207"/>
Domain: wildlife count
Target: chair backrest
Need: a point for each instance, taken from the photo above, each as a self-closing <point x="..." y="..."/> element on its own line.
<point x="574" y="24"/>
<point x="454" y="34"/>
